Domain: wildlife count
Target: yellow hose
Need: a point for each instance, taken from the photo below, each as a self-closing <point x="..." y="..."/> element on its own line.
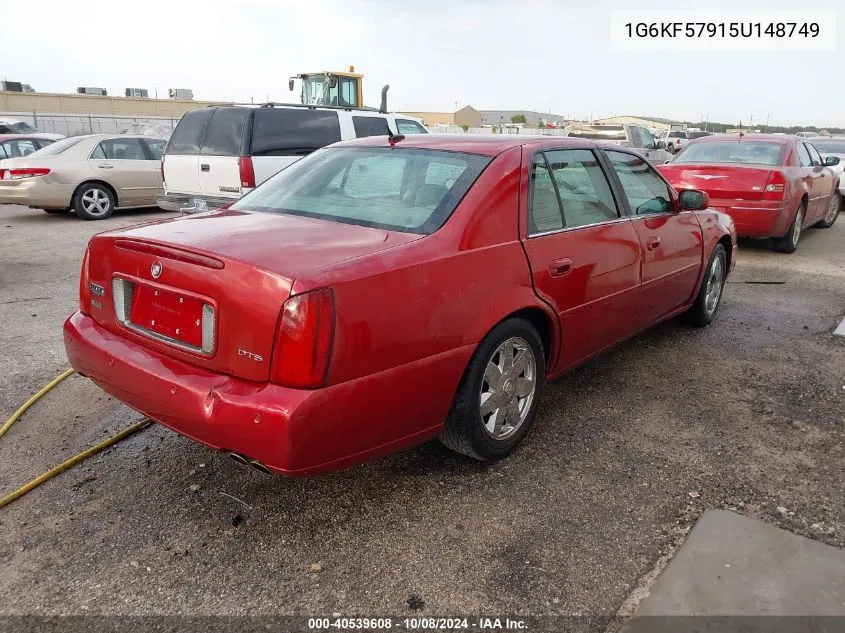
<point x="8" y="424"/>
<point x="73" y="460"/>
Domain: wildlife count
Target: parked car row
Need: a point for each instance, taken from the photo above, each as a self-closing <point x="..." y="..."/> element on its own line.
<point x="214" y="156"/>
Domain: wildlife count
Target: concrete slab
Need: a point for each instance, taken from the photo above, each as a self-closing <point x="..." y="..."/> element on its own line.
<point x="738" y="574"/>
<point x="733" y="565"/>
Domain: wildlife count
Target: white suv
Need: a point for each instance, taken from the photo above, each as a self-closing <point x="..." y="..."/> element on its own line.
<point x="217" y="154"/>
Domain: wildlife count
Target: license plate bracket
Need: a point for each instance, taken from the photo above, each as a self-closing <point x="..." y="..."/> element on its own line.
<point x="199" y="205"/>
<point x="170" y="314"/>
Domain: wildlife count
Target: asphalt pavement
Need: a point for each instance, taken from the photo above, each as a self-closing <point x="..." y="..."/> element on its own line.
<point x="627" y="452"/>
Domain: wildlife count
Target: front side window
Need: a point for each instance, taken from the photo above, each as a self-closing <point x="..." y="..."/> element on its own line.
<point x="647" y="193"/>
<point x="804" y="159"/>
<point x="119" y="149"/>
<point x="582" y="186"/>
<point x="815" y="157"/>
<point x="410" y="190"/>
<point x="647" y="139"/>
<point x="405" y="126"/>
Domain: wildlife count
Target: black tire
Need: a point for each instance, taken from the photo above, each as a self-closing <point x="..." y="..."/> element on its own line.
<point x="704" y="310"/>
<point x="827" y="221"/>
<point x="93" y="201"/>
<point x="465" y="431"/>
<point x="789" y="242"/>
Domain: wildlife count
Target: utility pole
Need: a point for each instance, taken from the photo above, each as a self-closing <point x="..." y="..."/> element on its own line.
<point x="767" y="123"/>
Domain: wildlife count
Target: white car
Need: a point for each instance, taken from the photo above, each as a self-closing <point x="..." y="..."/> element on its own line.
<point x="832" y="146"/>
<point x="218" y="154"/>
<point x="16" y="126"/>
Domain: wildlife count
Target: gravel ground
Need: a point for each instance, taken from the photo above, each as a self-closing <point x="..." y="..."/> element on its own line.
<point x="747" y="413"/>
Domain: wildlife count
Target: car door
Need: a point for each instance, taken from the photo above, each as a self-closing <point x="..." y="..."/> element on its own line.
<point x="807" y="177"/>
<point x="155" y="151"/>
<point x="822" y="184"/>
<point x="670" y="240"/>
<point x="123" y="163"/>
<point x="583" y="251"/>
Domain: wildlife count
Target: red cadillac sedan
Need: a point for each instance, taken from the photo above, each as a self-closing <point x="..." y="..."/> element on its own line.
<point x="771" y="185"/>
<point x="384" y="292"/>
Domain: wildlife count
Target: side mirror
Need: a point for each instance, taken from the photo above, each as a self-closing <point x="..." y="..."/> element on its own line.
<point x="693" y="200"/>
<point x="290" y="83"/>
<point x="830" y="161"/>
<point x="661" y="144"/>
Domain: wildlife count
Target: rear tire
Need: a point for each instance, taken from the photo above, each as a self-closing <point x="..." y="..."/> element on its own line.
<point x="789" y="242"/>
<point x="499" y="393"/>
<point x="832" y="212"/>
<point x="709" y="297"/>
<point x="93" y="201"/>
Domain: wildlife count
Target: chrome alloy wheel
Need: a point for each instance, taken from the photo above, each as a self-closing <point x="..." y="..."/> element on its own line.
<point x="715" y="283"/>
<point x="796" y="232"/>
<point x="96" y="202"/>
<point x="833" y="208"/>
<point x="508" y="388"/>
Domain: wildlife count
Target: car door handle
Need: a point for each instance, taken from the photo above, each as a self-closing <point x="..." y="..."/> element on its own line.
<point x="652" y="243"/>
<point x="560" y="267"/>
<point x="204" y="167"/>
<point x="106" y="166"/>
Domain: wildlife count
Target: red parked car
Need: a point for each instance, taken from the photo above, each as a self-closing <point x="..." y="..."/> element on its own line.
<point x="771" y="185"/>
<point x="380" y="293"/>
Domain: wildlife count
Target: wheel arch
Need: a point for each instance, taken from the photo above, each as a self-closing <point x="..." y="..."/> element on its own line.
<point x="95" y="181"/>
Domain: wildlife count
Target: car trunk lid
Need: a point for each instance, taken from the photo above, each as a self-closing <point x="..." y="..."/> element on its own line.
<point x="208" y="289"/>
<point x="731" y="182"/>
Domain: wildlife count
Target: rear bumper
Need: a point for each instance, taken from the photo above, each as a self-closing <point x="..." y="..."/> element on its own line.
<point x="182" y="203"/>
<point x="292" y="431"/>
<point x="34" y="192"/>
<point x="755" y="218"/>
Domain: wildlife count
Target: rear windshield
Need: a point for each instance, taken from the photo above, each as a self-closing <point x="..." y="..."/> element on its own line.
<point x="830" y="146"/>
<point x="188" y="133"/>
<point x="598" y="132"/>
<point x="224" y="134"/>
<point x="742" y="152"/>
<point x="677" y="135"/>
<point x="698" y="134"/>
<point x="59" y="146"/>
<point x="293" y="132"/>
<point x="409" y="190"/>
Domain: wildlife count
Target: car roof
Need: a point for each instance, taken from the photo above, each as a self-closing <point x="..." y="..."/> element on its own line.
<point x="35" y="135"/>
<point x="735" y="138"/>
<point x="485" y="144"/>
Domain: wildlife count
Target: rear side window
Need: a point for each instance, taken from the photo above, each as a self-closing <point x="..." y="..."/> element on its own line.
<point x="186" y="137"/>
<point x="120" y="149"/>
<point x="370" y="126"/>
<point x="409" y="127"/>
<point x="224" y="134"/>
<point x="294" y="132"/>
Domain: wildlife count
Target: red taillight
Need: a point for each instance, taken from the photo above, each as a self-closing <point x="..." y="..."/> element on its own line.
<point x="775" y="186"/>
<point x="84" y="290"/>
<point x="304" y="340"/>
<point x="247" y="172"/>
<point x="24" y="172"/>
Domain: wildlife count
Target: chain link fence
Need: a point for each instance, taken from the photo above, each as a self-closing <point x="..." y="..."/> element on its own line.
<point x="77" y="124"/>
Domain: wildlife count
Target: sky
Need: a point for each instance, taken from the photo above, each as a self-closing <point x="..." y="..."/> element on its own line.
<point x="536" y="55"/>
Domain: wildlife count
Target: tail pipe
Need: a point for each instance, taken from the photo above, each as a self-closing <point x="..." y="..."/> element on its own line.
<point x="248" y="461"/>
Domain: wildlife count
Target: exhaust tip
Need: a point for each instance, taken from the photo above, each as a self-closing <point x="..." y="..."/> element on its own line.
<point x="259" y="466"/>
<point x="239" y="458"/>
